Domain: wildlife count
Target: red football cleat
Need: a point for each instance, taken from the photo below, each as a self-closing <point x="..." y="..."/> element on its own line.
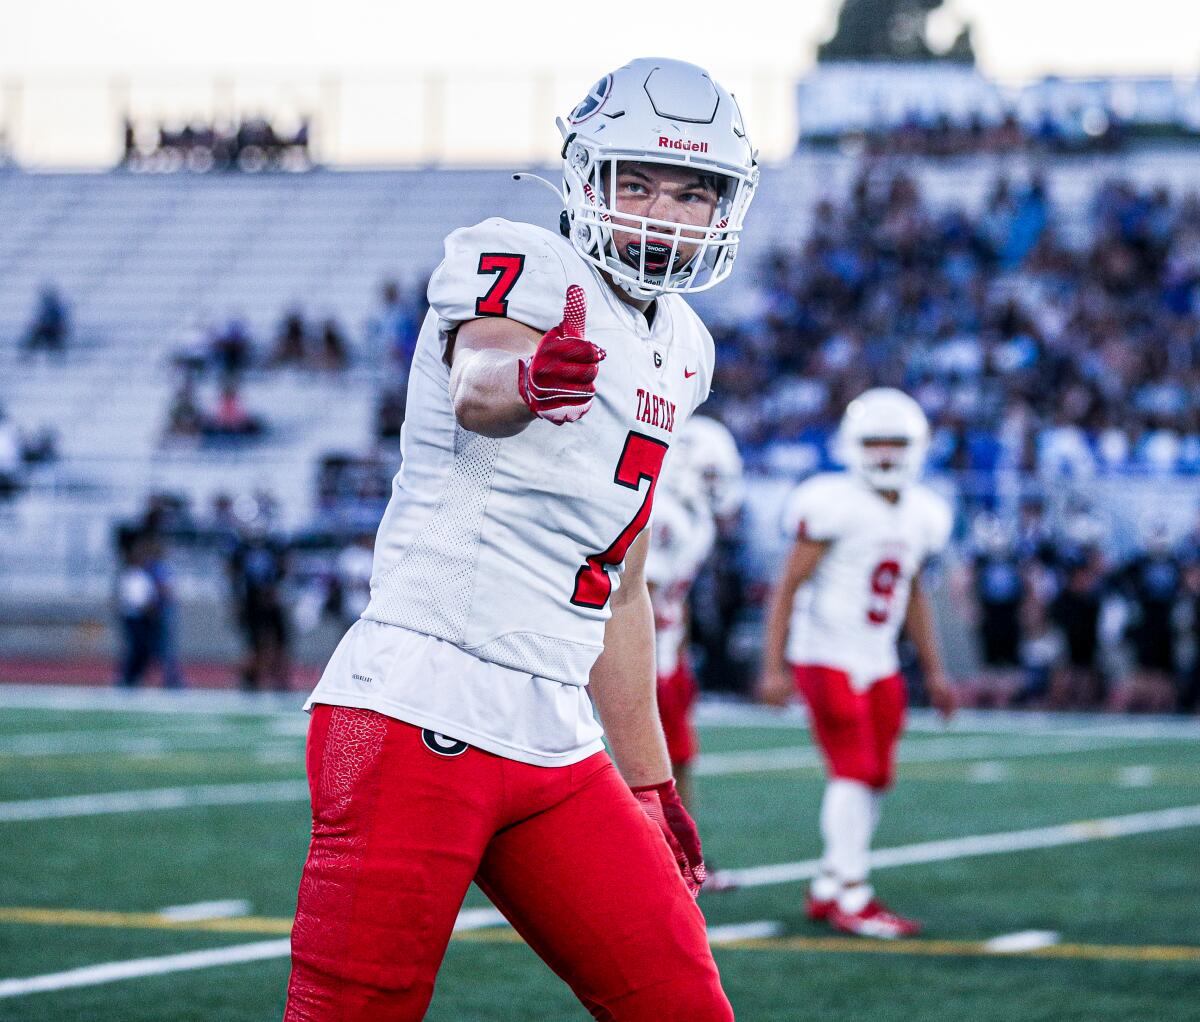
<point x="818" y="909"/>
<point x="873" y="920"/>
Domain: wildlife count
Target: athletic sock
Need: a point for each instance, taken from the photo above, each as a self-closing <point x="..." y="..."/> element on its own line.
<point x="846" y="824"/>
<point x="876" y="809"/>
<point x="855" y="898"/>
<point x="825" y="887"/>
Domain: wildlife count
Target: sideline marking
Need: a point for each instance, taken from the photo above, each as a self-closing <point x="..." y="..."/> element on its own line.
<point x="229" y="908"/>
<point x="709" y="712"/>
<point x="101" y="803"/>
<point x="1079" y="832"/>
<point x="989" y="771"/>
<point x="754" y="936"/>
<point x="110" y="972"/>
<point x="1136" y="776"/>
<point x="221" y="701"/>
<point x="712" y="764"/>
<point x="154" y="742"/>
<point x="920" y="947"/>
<point x="981" y="844"/>
<point x="971" y="949"/>
<point x="1025" y="940"/>
<point x="943" y="750"/>
<point x="1072" y="724"/>
<point x="142" y="920"/>
<point x="469" y="920"/>
<point x="744" y="931"/>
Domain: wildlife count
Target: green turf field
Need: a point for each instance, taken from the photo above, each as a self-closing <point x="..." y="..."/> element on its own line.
<point x="214" y="811"/>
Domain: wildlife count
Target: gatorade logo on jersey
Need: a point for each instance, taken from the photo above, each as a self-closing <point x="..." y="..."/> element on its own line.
<point x="443" y="745"/>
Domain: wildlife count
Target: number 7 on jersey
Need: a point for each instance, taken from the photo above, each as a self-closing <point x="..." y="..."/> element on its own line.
<point x="641" y="459"/>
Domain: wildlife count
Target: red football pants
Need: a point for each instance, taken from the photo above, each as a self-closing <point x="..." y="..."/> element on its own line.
<point x="676" y="697"/>
<point x="857" y="731"/>
<point x="403" y="822"/>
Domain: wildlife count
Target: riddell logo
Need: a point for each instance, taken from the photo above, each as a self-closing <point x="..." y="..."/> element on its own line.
<point x="682" y="143"/>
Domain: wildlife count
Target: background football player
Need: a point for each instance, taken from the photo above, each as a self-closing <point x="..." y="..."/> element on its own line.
<point x="452" y="737"/>
<point x="702" y="489"/>
<point x="851" y="580"/>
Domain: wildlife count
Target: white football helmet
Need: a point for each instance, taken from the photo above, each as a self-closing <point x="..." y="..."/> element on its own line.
<point x="656" y="111"/>
<point x="708" y="452"/>
<point x="883" y="438"/>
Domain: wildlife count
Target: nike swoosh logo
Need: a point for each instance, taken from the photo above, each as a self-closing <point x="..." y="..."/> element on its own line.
<point x="688" y="374"/>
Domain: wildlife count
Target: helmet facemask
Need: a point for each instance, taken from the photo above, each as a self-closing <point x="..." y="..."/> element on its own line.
<point x="883" y="439"/>
<point x="888" y="464"/>
<point x="655" y="264"/>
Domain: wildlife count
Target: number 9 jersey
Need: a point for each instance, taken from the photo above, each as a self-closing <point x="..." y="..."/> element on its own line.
<point x="511" y="548"/>
<point x="848" y="615"/>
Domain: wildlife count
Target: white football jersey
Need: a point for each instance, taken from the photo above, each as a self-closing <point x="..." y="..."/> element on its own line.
<point x="510" y="549"/>
<point x="848" y="615"/>
<point x="681" y="536"/>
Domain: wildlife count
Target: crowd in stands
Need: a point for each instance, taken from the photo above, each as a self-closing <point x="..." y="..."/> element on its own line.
<point x="251" y="145"/>
<point x="217" y="357"/>
<point x="221" y="354"/>
<point x="21" y="450"/>
<point x="50" y="328"/>
<point x="1088" y="131"/>
<point x="1046" y="352"/>
<point x="1028" y="353"/>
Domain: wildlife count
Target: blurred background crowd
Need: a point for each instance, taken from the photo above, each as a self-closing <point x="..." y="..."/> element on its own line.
<point x="1041" y="363"/>
<point x="215" y="364"/>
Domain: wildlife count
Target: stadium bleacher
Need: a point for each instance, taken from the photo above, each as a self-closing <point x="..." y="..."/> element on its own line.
<point x="138" y="257"/>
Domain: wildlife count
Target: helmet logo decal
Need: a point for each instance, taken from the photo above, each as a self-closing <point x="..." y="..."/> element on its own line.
<point x="593" y="101"/>
<point x="682" y="143"/>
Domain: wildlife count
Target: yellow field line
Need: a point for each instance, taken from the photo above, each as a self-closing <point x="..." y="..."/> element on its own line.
<point x="810" y="945"/>
<point x="968" y="948"/>
<point x="141" y="921"/>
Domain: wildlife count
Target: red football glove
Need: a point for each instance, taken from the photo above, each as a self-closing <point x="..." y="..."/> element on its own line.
<point x="558" y="381"/>
<point x="661" y="803"/>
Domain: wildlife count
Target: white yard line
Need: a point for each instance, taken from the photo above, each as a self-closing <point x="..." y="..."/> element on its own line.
<point x="989" y="771"/>
<point x="758" y="876"/>
<point x="1136" y="776"/>
<point x="996" y="722"/>
<point x="111" y="972"/>
<point x="152" y="799"/>
<point x="710" y="764"/>
<point x="149" y="742"/>
<point x="942" y="750"/>
<point x="230" y="908"/>
<point x="709" y="712"/>
<point x="981" y="844"/>
<point x="1026" y="940"/>
<point x="744" y="931"/>
<point x="478" y="919"/>
<point x="77" y="697"/>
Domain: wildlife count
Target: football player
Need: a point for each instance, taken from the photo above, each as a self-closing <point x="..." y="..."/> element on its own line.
<point x="702" y="489"/>
<point x="850" y="582"/>
<point x="452" y="736"/>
